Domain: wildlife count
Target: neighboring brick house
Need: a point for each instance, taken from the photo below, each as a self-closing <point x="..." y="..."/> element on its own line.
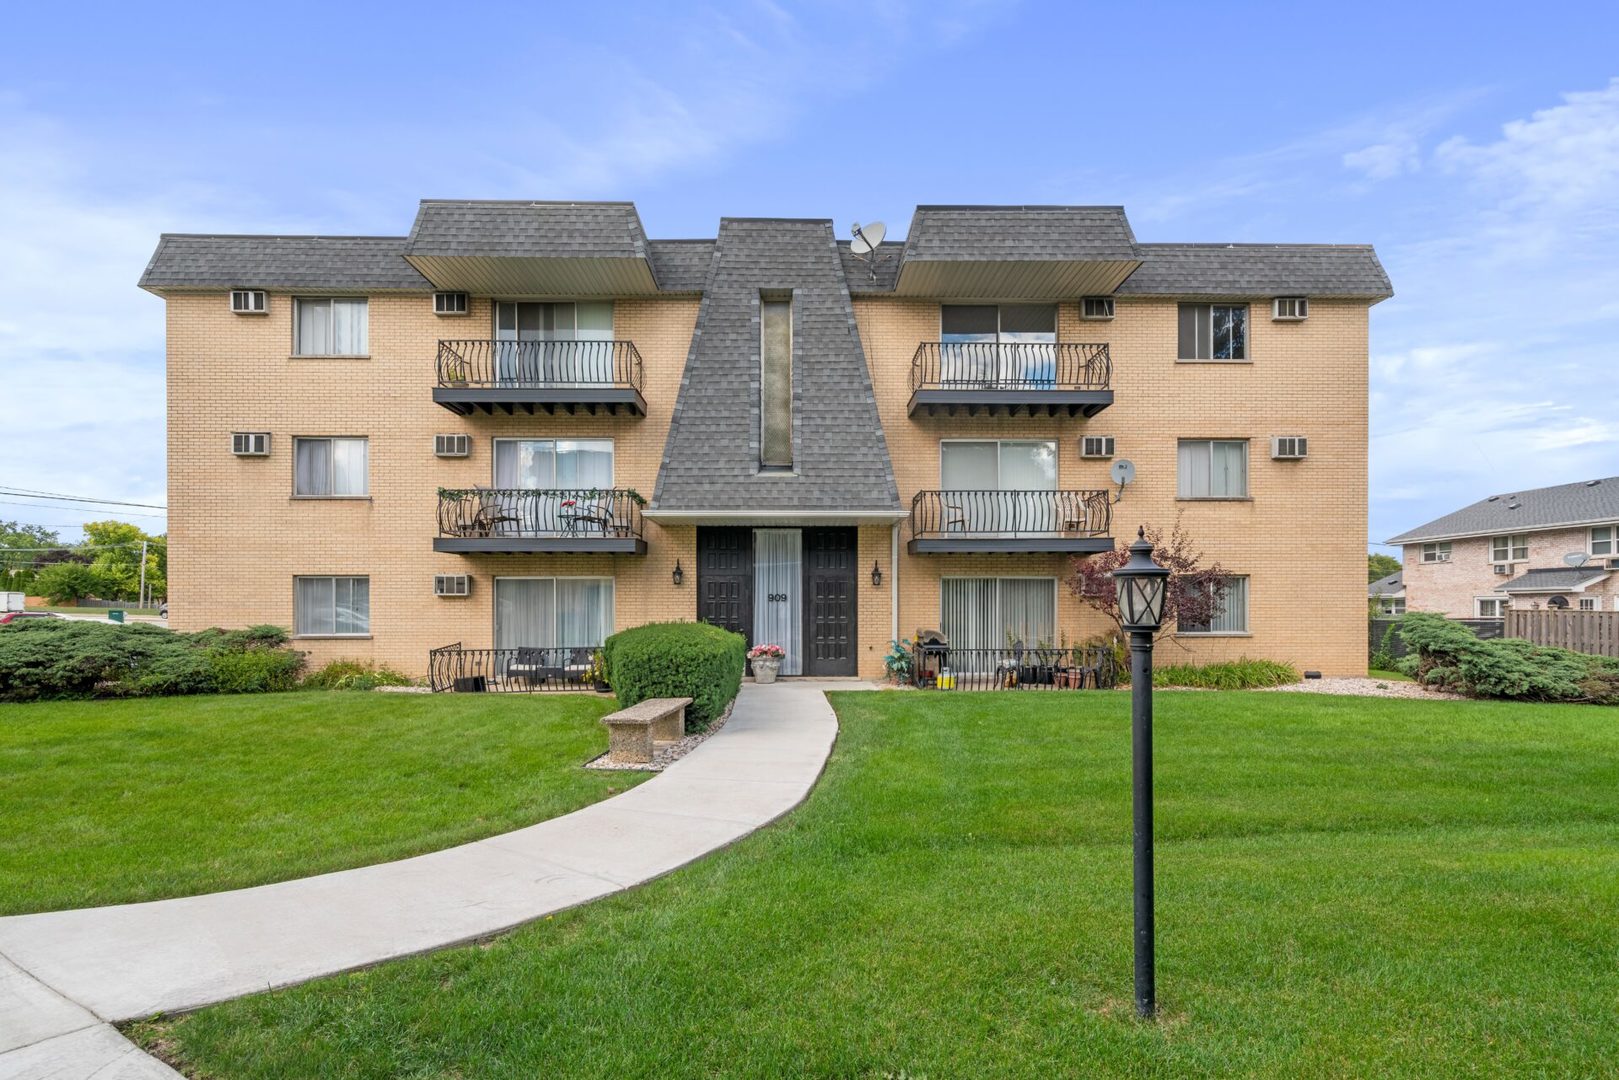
<point x="1553" y="547"/>
<point x="1388" y="594"/>
<point x="525" y="425"/>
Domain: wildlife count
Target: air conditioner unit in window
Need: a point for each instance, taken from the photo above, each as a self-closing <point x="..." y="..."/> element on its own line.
<point x="250" y="301"/>
<point x="452" y="585"/>
<point x="1096" y="307"/>
<point x="1503" y="568"/>
<point x="1290" y="309"/>
<point x="452" y="445"/>
<point x="449" y="303"/>
<point x="250" y="443"/>
<point x="1613" y="564"/>
<point x="1096" y="446"/>
<point x="1289" y="447"/>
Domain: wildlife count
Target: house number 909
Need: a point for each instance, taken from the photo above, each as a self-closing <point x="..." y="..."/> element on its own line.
<point x="778" y="598"/>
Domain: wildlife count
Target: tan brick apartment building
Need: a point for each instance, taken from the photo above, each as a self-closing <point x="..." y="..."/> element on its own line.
<point x="518" y="426"/>
<point x="1553" y="548"/>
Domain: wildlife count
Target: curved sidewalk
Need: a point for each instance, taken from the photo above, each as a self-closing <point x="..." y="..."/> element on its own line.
<point x="64" y="974"/>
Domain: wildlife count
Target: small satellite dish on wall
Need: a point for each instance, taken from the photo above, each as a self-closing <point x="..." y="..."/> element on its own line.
<point x="1576" y="559"/>
<point x="1123" y="471"/>
<point x="865" y="242"/>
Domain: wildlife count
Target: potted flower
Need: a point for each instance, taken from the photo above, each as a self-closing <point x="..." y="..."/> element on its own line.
<point x="598" y="672"/>
<point x="766" y="660"/>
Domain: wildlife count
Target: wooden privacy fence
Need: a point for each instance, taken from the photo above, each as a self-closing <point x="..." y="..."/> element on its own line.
<point x="1594" y="632"/>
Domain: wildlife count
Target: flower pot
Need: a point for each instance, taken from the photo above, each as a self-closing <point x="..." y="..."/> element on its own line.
<point x="764" y="671"/>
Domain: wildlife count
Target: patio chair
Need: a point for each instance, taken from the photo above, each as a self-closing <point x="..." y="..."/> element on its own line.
<point x="589" y="513"/>
<point x="528" y="666"/>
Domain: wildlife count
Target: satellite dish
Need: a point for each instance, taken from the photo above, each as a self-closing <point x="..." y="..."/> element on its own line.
<point x="1576" y="559"/>
<point x="866" y="238"/>
<point x="1124" y="471"/>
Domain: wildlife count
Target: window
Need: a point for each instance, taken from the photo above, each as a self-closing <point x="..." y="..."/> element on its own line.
<point x="1213" y="332"/>
<point x="1290" y="308"/>
<point x="1490" y="607"/>
<point x="330" y="468"/>
<point x="1436" y="552"/>
<point x="552" y="612"/>
<point x="775" y="383"/>
<point x="554" y="463"/>
<point x="1588" y="603"/>
<point x="331" y="327"/>
<point x="991" y="613"/>
<point x="449" y="303"/>
<point x="1096" y="307"/>
<point x="1231" y="611"/>
<point x="249" y="301"/>
<point x="332" y="606"/>
<point x="1514" y="548"/>
<point x="1392" y="605"/>
<point x="565" y="343"/>
<point x="1213" y="469"/>
<point x="1005" y="345"/>
<point x="1007" y="465"/>
<point x="1605" y="540"/>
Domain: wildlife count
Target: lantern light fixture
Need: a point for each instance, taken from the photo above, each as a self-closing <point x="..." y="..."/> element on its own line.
<point x="679" y="575"/>
<point x="876" y="574"/>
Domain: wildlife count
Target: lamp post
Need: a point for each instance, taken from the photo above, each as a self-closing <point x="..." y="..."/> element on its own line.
<point x="1140" y="584"/>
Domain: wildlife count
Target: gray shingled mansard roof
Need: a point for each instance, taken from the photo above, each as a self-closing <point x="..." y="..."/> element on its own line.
<point x="195" y="261"/>
<point x="1588" y="502"/>
<point x="513" y="229"/>
<point x="840" y="457"/>
<point x="1325" y="270"/>
<point x="1554" y="579"/>
<point x="681" y="265"/>
<point x="1387" y="586"/>
<point x="1020" y="233"/>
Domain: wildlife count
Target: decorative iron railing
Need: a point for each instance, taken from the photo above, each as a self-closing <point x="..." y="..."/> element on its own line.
<point x="1001" y="365"/>
<point x="483" y="363"/>
<point x="523" y="670"/>
<point x="941" y="667"/>
<point x="1009" y="514"/>
<point x="539" y="512"/>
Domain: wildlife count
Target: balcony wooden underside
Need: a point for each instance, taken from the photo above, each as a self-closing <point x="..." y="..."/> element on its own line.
<point x="540" y="545"/>
<point x="551" y="400"/>
<point x="985" y="402"/>
<point x="944" y="544"/>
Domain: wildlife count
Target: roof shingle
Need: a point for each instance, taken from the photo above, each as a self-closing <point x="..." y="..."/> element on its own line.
<point x="558" y="230"/>
<point x="1588" y="502"/>
<point x="370" y="263"/>
<point x="1325" y="270"/>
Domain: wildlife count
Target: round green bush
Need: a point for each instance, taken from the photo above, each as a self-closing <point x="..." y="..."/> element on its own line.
<point x="695" y="660"/>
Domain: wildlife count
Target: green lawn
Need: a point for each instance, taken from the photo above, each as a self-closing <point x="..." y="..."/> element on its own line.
<point x="1347" y="888"/>
<point x="111" y="801"/>
<point x="1389" y="676"/>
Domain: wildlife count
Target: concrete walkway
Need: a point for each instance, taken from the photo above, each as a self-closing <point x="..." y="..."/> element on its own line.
<point x="65" y="975"/>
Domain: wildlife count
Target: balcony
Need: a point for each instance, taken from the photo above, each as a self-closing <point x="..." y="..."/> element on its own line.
<point x="539" y="376"/>
<point x="517" y="521"/>
<point x="1000" y="378"/>
<point x="985" y="521"/>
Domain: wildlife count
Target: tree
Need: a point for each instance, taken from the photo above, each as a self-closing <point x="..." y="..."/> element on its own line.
<point x="1381" y="566"/>
<point x="1193" y="593"/>
<point x="68" y="582"/>
<point x="15" y="535"/>
<point x="116" y="547"/>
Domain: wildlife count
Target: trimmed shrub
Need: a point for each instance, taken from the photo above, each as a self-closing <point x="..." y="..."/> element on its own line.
<point x="355" y="675"/>
<point x="1239" y="674"/>
<point x="694" y="660"/>
<point x="1449" y="656"/>
<point x="254" y="671"/>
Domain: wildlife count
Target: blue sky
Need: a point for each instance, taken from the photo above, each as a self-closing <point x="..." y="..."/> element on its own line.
<point x="1479" y="153"/>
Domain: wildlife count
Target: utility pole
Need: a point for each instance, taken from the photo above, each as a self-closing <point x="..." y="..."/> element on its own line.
<point x="142" y="600"/>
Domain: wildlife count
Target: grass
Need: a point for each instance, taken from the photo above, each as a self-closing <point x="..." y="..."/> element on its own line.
<point x="1388" y="676"/>
<point x="114" y="801"/>
<point x="1347" y="887"/>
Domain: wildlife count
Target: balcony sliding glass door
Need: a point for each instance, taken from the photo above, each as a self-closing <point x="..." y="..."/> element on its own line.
<point x="999" y="488"/>
<point x="563" y="473"/>
<point x="1007" y="346"/>
<point x="551" y="344"/>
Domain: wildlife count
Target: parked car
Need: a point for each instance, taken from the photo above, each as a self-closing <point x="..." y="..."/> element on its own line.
<point x="21" y="616"/>
<point x="163" y="610"/>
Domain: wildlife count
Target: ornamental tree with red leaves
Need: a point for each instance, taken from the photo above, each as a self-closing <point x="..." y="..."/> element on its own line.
<point x="1194" y="591"/>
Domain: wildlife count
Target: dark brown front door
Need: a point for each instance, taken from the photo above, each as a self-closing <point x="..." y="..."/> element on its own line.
<point x="830" y="601"/>
<point x="725" y="579"/>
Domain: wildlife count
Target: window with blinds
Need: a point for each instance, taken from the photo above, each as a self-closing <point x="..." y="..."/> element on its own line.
<point x="331" y="606"/>
<point x="1231" y="611"/>
<point x="993" y="613"/>
<point x="1213" y="469"/>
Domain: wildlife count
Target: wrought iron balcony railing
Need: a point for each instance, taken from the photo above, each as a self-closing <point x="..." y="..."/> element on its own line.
<point x="1075" y="521"/>
<point x="483" y="363"/>
<point x="992" y="365"/>
<point x="540" y="519"/>
<point x="525" y="670"/>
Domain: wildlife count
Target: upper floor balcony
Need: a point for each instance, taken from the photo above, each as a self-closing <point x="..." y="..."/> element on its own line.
<point x="513" y="521"/>
<point x="1010" y="378"/>
<point x="480" y="375"/>
<point x="1073" y="522"/>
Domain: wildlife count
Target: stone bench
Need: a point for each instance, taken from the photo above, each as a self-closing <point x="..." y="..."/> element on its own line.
<point x="633" y="733"/>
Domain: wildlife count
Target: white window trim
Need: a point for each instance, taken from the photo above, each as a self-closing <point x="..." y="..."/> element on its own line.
<point x="297" y="346"/>
<point x="494" y="602"/>
<point x="1052" y="443"/>
<point x="1595" y="603"/>
<point x="1247" y="470"/>
<point x="364" y="496"/>
<point x="1480" y="601"/>
<point x="330" y="577"/>
<point x="1248" y="618"/>
<point x="1612" y="542"/>
<point x="1509" y="538"/>
<point x="1422" y="554"/>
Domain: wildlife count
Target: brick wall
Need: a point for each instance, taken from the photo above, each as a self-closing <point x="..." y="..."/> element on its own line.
<point x="1451" y="588"/>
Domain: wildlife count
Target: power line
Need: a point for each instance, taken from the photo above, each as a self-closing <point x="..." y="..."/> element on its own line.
<point x="77" y="510"/>
<point x="35" y="493"/>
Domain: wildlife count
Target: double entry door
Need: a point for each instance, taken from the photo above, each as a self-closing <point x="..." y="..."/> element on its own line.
<point x="789" y="587"/>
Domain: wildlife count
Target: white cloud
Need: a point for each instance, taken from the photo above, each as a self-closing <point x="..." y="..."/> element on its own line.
<point x="1386" y="160"/>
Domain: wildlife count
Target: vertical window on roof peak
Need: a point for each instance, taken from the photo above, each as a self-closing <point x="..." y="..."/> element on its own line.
<point x="775" y="380"/>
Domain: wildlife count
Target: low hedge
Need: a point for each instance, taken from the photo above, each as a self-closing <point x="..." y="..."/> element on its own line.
<point x="1241" y="674"/>
<point x="53" y="659"/>
<point x="1448" y="656"/>
<point x="694" y="660"/>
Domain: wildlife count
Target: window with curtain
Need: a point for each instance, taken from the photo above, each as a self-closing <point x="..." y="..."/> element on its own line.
<point x="331" y="606"/>
<point x="331" y="326"/>
<point x="552" y="612"/>
<point x="778" y="612"/>
<point x="1213" y="469"/>
<point x="567" y="343"/>
<point x="991" y="613"/>
<point x="1213" y="332"/>
<point x="572" y="466"/>
<point x="998" y="344"/>
<point x="330" y="468"/>
<point x="1231" y="612"/>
